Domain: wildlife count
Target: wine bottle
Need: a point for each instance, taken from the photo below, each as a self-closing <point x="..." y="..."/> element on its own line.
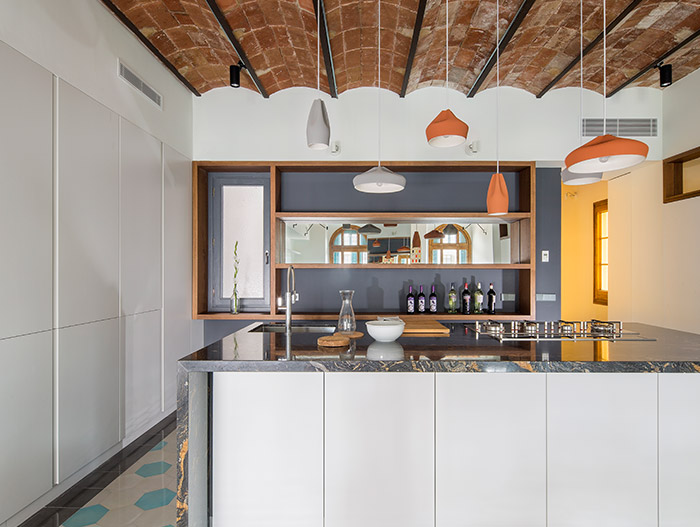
<point x="410" y="300"/>
<point x="466" y="300"/>
<point x="491" y="300"/>
<point x="421" y="301"/>
<point x="432" y="300"/>
<point x="452" y="299"/>
<point x="478" y="300"/>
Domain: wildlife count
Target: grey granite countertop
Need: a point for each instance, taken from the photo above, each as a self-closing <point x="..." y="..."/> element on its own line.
<point x="461" y="351"/>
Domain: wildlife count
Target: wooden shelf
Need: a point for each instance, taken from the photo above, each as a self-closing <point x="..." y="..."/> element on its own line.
<point x="406" y="217"/>
<point x="362" y="316"/>
<point x="403" y="266"/>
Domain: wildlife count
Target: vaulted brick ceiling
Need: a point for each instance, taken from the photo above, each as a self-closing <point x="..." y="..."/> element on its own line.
<point x="279" y="38"/>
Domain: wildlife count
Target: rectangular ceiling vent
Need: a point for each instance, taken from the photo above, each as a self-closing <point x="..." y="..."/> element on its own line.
<point x="141" y="85"/>
<point x="627" y="127"/>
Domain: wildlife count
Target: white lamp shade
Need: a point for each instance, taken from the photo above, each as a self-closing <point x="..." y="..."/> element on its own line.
<point x="606" y="163"/>
<point x="572" y="178"/>
<point x="318" y="128"/>
<point x="379" y="180"/>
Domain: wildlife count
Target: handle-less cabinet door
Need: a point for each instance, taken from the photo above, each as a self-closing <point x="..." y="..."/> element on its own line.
<point x="601" y="449"/>
<point x="379" y="469"/>
<point x="239" y="213"/>
<point x="267" y="449"/>
<point x="490" y="449"/>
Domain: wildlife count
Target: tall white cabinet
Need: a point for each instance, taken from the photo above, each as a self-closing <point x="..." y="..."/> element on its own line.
<point x="379" y="445"/>
<point x="490" y="450"/>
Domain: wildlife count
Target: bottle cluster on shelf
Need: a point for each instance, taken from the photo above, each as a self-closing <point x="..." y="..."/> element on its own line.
<point x="472" y="302"/>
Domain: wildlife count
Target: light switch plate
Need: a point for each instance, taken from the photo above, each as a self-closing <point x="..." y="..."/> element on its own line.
<point x="545" y="256"/>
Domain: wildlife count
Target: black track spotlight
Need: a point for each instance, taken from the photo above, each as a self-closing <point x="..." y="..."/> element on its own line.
<point x="665" y="74"/>
<point x="235" y="74"/>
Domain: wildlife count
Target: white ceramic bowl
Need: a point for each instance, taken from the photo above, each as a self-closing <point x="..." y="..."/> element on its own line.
<point x="385" y="330"/>
<point x="385" y="351"/>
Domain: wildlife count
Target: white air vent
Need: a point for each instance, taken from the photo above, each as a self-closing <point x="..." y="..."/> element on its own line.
<point x="620" y="127"/>
<point x="138" y="83"/>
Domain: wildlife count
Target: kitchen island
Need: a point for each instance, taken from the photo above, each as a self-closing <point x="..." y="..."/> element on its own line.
<point x="273" y="430"/>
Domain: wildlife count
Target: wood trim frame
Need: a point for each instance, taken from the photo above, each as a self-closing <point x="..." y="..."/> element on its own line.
<point x="525" y="220"/>
<point x="673" y="176"/>
<point x="600" y="297"/>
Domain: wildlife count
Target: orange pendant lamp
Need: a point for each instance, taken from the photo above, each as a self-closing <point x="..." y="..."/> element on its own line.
<point x="446" y="129"/>
<point x="606" y="152"/>
<point x="497" y="197"/>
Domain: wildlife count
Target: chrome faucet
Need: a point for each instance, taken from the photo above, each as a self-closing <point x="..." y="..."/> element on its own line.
<point x="290" y="297"/>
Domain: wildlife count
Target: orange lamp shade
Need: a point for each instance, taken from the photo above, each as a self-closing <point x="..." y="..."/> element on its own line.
<point x="497" y="198"/>
<point x="606" y="152"/>
<point x="434" y="235"/>
<point x="446" y="130"/>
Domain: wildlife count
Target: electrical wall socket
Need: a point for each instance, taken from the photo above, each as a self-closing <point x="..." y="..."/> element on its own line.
<point x="545" y="256"/>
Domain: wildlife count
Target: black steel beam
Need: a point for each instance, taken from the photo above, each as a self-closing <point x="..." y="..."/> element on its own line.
<point x="507" y="36"/>
<point x="326" y="48"/>
<point x="652" y="64"/>
<point x="414" y="45"/>
<point x="237" y="46"/>
<point x="612" y="25"/>
<point x="130" y="25"/>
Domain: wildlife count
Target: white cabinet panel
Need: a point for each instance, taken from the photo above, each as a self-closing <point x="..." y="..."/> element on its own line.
<point x="141" y="174"/>
<point x="679" y="437"/>
<point x="490" y="449"/>
<point x="26" y="441"/>
<point x="88" y="393"/>
<point x="26" y="187"/>
<point x="601" y="444"/>
<point x="142" y="394"/>
<point x="379" y="449"/>
<point x="88" y="209"/>
<point x="177" y="253"/>
<point x="268" y="449"/>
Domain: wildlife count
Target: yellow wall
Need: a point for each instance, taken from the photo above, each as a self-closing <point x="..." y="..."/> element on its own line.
<point x="577" y="251"/>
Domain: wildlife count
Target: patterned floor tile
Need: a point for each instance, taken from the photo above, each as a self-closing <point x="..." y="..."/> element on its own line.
<point x="87" y="516"/>
<point x="155" y="498"/>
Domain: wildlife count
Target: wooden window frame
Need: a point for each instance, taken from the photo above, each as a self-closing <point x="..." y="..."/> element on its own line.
<point x="673" y="176"/>
<point x="599" y="295"/>
<point x="359" y="249"/>
<point x="437" y="245"/>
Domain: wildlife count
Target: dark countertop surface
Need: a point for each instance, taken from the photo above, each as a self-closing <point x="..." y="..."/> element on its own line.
<point x="461" y="351"/>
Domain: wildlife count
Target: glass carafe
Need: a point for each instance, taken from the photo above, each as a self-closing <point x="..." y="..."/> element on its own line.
<point x="346" y="319"/>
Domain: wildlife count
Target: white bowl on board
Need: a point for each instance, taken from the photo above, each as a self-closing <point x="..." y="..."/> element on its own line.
<point x="385" y="330"/>
<point x="385" y="351"/>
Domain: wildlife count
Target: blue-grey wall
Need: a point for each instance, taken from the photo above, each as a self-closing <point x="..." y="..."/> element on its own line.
<point x="380" y="290"/>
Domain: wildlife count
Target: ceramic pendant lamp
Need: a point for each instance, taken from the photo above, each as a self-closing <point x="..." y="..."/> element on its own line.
<point x="446" y="129"/>
<point x="379" y="179"/>
<point x="497" y="197"/>
<point x="318" y="128"/>
<point x="606" y="152"/>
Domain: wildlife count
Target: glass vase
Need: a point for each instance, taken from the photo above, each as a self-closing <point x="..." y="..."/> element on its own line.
<point x="235" y="302"/>
<point x="346" y="319"/>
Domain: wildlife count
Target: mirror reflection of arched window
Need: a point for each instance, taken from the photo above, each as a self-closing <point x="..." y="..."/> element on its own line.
<point x="347" y="246"/>
<point x="452" y="249"/>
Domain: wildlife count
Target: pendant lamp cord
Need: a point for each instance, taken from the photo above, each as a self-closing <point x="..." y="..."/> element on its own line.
<point x="318" y="45"/>
<point x="605" y="70"/>
<point x="379" y="84"/>
<point x="580" y="75"/>
<point x="498" y="82"/>
<point x="447" y="55"/>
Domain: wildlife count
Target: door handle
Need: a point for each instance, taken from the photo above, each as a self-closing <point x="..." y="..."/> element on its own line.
<point x="267" y="257"/>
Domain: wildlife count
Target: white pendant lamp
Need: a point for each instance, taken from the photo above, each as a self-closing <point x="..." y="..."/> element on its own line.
<point x="379" y="179"/>
<point x="446" y="130"/>
<point x="606" y="152"/>
<point x="497" y="197"/>
<point x="318" y="128"/>
<point x="568" y="177"/>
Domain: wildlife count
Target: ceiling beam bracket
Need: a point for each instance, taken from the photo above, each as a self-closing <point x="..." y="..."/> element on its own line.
<point x="414" y="45"/>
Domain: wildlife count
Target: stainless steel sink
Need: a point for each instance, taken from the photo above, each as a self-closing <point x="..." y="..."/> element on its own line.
<point x="296" y="328"/>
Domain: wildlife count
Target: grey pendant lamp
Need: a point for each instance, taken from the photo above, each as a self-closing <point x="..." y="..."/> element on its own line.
<point x="568" y="177"/>
<point x="318" y="128"/>
<point x="379" y="179"/>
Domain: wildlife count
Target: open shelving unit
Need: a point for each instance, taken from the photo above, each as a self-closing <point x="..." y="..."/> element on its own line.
<point x="525" y="219"/>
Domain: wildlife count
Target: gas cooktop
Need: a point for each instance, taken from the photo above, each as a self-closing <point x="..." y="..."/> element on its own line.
<point x="559" y="330"/>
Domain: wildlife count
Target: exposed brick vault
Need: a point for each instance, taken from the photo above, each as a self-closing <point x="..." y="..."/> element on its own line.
<point x="279" y="38"/>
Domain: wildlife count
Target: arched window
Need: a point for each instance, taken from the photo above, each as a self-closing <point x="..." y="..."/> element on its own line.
<point x="347" y="246"/>
<point x="452" y="249"/>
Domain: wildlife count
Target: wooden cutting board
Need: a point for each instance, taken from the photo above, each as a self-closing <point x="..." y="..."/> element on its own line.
<point x="427" y="326"/>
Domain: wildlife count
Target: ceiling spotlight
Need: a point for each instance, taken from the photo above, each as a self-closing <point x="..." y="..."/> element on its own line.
<point x="665" y="74"/>
<point x="235" y="74"/>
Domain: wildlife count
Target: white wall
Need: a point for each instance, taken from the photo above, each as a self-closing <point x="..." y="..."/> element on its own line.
<point x="681" y="113"/>
<point x="654" y="252"/>
<point x="238" y="124"/>
<point x="95" y="188"/>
